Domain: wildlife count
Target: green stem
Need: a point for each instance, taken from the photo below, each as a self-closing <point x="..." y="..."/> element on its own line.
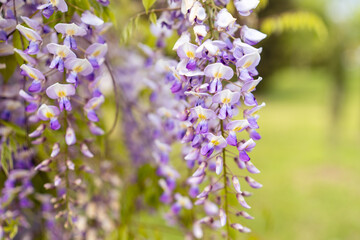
<point x="226" y="204"/>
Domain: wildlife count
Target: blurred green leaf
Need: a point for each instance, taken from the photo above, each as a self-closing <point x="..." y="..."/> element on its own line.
<point x="295" y="21"/>
<point x="147" y="4"/>
<point x="18" y="130"/>
<point x="153" y="17"/>
<point x="4" y="164"/>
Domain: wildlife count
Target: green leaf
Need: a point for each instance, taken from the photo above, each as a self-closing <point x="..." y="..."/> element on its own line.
<point x="153" y="17"/>
<point x="4" y="164"/>
<point x="10" y="68"/>
<point x="18" y="130"/>
<point x="147" y="4"/>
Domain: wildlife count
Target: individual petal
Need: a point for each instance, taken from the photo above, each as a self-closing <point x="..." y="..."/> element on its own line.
<point x="38" y="131"/>
<point x="55" y="150"/>
<point x="245" y="7"/>
<point x="97" y="50"/>
<point x="85" y="150"/>
<point x="28" y="33"/>
<point x="211" y="209"/>
<point x="32" y="72"/>
<point x="200" y="170"/>
<point x="248" y="61"/>
<point x="90" y="19"/>
<point x="245" y="215"/>
<point x="242" y="201"/>
<point x="251" y="167"/>
<point x="252" y="182"/>
<point x="251" y="36"/>
<point x="218" y="70"/>
<point x="58" y="90"/>
<point x="70" y="137"/>
<point x="60" y="50"/>
<point x="77" y="65"/>
<point x="236" y="184"/>
<point x="224" y="20"/>
<point x="219" y="165"/>
<point x="222" y="216"/>
<point x="247" y="146"/>
<point x="70" y="29"/>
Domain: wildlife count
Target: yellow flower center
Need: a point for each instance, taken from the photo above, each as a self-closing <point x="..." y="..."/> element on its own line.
<point x="237" y="129"/>
<point x="32" y="76"/>
<point x="49" y="114"/>
<point x="96" y="53"/>
<point x="201" y="116"/>
<point x="70" y="32"/>
<point x="218" y="75"/>
<point x="61" y="94"/>
<point x="226" y="100"/>
<point x="61" y="54"/>
<point x="215" y="142"/>
<point x="78" y="69"/>
<point x="247" y="64"/>
<point x="190" y="54"/>
<point x="31" y="37"/>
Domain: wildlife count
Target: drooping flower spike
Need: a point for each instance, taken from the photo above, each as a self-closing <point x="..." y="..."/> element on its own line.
<point x="77" y="66"/>
<point x="49" y="8"/>
<point x="61" y="92"/>
<point x="34" y="74"/>
<point x="69" y="31"/>
<point x="61" y="52"/>
<point x="48" y="112"/>
<point x="33" y="37"/>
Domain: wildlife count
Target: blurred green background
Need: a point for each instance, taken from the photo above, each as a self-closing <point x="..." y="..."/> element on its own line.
<point x="309" y="155"/>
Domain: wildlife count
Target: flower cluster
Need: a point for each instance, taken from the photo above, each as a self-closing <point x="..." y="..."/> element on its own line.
<point x="61" y="69"/>
<point x="215" y="77"/>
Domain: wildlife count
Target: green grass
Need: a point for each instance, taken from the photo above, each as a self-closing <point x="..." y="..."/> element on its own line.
<point x="310" y="168"/>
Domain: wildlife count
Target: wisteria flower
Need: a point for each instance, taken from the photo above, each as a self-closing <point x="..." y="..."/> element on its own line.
<point x="224" y="20"/>
<point x="77" y="66"/>
<point x="187" y="52"/>
<point x="181" y="202"/>
<point x="214" y="143"/>
<point x="197" y="13"/>
<point x="246" y="90"/>
<point x="203" y="115"/>
<point x="49" y="8"/>
<point x="246" y="65"/>
<point x="227" y="98"/>
<point x="61" y="92"/>
<point x="246" y="147"/>
<point x="61" y="52"/>
<point x="35" y="74"/>
<point x="91" y="106"/>
<point x="233" y="127"/>
<point x="69" y="30"/>
<point x="48" y="112"/>
<point x="245" y="7"/>
<point x="33" y="37"/>
<point x="95" y="54"/>
<point x="251" y="36"/>
<point x="216" y="72"/>
<point x="27" y="58"/>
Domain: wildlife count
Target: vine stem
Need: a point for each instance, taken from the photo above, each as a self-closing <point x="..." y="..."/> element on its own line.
<point x="226" y="204"/>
